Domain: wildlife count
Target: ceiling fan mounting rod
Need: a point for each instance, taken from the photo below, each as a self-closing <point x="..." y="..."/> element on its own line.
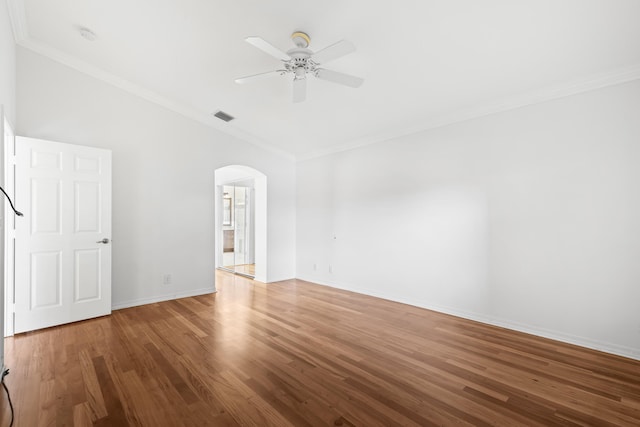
<point x="301" y="39"/>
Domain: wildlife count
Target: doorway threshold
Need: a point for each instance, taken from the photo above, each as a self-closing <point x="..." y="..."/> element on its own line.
<point x="228" y="270"/>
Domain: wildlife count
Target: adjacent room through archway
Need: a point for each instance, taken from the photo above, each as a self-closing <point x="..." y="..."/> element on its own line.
<point x="241" y="221"/>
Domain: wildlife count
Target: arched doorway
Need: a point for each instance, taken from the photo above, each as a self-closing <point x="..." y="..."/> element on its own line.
<point x="241" y="221"/>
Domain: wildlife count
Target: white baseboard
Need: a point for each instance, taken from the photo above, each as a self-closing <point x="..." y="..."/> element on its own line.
<point x="160" y="298"/>
<point x="619" y="350"/>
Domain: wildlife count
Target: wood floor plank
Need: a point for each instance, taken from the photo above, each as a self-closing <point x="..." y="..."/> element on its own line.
<point x="296" y="353"/>
<point x="95" y="400"/>
<point x="115" y="412"/>
<point x="47" y="415"/>
<point x="81" y="415"/>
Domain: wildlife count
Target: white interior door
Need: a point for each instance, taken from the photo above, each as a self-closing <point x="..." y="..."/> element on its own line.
<point x="63" y="251"/>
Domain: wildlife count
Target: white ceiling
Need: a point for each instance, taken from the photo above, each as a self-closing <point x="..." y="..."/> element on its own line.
<point x="425" y="63"/>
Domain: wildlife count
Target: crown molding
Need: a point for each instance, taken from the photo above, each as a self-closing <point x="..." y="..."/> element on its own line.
<point x="575" y="87"/>
<point x="17" y="15"/>
<point x="593" y="82"/>
<point x="18" y="18"/>
<point x="148" y="95"/>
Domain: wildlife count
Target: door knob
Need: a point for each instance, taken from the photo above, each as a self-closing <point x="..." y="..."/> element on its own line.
<point x="105" y="241"/>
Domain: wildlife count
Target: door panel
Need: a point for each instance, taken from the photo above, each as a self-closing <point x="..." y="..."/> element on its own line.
<point x="87" y="205"/>
<point x="46" y="287"/>
<point x="45" y="206"/>
<point x="62" y="273"/>
<point x="87" y="275"/>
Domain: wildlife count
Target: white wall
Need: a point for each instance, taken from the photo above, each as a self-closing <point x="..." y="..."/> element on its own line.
<point x="528" y="219"/>
<point x="7" y="65"/>
<point x="8" y="103"/>
<point x="163" y="185"/>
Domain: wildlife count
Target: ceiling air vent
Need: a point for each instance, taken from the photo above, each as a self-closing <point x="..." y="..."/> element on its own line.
<point x="223" y="116"/>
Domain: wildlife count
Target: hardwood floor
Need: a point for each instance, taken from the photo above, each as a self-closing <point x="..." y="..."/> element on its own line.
<point x="294" y="353"/>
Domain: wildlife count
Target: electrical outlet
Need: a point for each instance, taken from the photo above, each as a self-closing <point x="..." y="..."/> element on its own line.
<point x="166" y="279"/>
<point x="315" y="267"/>
<point x="330" y="269"/>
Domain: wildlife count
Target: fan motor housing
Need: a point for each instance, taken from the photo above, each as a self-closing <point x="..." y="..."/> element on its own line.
<point x="300" y="62"/>
<point x="300" y="53"/>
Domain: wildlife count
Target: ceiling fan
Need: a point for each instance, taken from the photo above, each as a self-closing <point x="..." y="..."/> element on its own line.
<point x="301" y="61"/>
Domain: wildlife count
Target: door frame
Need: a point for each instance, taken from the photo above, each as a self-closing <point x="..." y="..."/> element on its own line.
<point x="9" y="230"/>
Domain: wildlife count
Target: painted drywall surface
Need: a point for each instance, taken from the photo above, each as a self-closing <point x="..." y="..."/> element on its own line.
<point x="7" y="65"/>
<point x="163" y="178"/>
<point x="528" y="219"/>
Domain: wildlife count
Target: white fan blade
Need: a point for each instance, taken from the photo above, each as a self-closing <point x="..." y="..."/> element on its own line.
<point x="267" y="47"/>
<point x="332" y="52"/>
<point x="260" y="76"/>
<point x="340" y="78"/>
<point x="299" y="90"/>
